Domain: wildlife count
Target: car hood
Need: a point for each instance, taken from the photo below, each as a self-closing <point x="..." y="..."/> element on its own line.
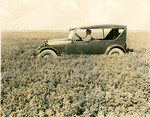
<point x="62" y="41"/>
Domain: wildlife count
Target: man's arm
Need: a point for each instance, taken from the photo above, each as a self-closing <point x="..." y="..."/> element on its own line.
<point x="88" y="38"/>
<point x="80" y="38"/>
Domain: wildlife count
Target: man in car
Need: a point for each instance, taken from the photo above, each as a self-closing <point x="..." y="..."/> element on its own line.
<point x="88" y="36"/>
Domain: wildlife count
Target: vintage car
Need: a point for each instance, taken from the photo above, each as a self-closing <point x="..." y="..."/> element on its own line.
<point x="105" y="39"/>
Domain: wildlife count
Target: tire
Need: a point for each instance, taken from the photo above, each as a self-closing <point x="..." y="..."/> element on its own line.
<point x="47" y="54"/>
<point x="115" y="52"/>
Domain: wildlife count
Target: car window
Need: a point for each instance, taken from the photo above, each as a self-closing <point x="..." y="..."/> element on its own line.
<point x="106" y="32"/>
<point x="97" y="33"/>
<point x="121" y="30"/>
<point x="70" y="36"/>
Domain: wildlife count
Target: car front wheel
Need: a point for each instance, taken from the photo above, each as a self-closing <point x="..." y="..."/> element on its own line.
<point x="46" y="54"/>
<point x="115" y="52"/>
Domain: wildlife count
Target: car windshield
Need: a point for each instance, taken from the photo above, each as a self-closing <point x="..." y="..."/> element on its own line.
<point x="70" y="36"/>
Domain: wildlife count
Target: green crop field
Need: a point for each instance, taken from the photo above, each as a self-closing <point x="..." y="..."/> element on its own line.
<point x="73" y="85"/>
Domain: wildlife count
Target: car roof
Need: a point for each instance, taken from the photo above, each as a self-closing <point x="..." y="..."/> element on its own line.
<point x="113" y="26"/>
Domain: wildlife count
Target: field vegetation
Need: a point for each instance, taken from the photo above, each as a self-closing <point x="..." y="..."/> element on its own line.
<point x="73" y="85"/>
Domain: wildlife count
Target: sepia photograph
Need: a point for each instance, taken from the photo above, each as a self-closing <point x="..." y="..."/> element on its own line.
<point x="75" y="58"/>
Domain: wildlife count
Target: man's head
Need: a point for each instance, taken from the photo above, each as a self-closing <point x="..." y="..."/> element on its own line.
<point x="88" y="32"/>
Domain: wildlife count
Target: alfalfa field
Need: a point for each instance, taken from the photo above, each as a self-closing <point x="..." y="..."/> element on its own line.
<point x="73" y="85"/>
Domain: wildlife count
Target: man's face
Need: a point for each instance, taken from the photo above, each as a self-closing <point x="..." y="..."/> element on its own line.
<point x="87" y="32"/>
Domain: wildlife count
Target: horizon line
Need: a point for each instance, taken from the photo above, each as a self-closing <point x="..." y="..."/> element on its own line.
<point x="20" y="30"/>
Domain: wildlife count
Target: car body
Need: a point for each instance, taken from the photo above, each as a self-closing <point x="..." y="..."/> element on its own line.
<point x="110" y="37"/>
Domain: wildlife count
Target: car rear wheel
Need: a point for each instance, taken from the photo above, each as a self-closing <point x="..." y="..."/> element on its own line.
<point x="47" y="54"/>
<point x="116" y="52"/>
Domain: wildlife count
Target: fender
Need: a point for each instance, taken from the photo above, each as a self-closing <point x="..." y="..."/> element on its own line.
<point x="115" y="46"/>
<point x="48" y="48"/>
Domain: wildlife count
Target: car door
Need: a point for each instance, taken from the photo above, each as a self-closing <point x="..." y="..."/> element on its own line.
<point x="77" y="47"/>
<point x="82" y="47"/>
<point x="85" y="47"/>
<point x="98" y="46"/>
<point x="92" y="47"/>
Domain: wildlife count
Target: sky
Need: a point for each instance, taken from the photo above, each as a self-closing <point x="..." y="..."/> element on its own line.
<point x="64" y="14"/>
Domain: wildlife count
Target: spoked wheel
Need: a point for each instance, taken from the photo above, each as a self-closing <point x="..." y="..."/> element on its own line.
<point x="47" y="54"/>
<point x="116" y="52"/>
